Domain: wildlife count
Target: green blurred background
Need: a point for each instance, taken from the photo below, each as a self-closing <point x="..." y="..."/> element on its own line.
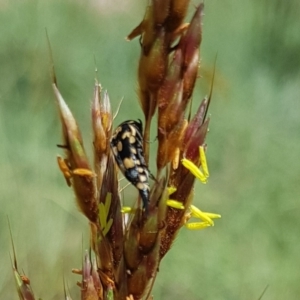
<point x="253" y="143"/>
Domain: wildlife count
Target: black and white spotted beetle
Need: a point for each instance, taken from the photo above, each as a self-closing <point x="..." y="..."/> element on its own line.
<point x="127" y="147"/>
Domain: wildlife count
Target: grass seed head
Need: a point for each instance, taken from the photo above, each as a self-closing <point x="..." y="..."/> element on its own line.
<point x="128" y="247"/>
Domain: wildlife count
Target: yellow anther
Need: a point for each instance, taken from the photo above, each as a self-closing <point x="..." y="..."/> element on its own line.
<point x="194" y="170"/>
<point x="84" y="172"/>
<point x="171" y="190"/>
<point x="127" y="210"/>
<point x="77" y="271"/>
<point x="197" y="225"/>
<point x="64" y="168"/>
<point x="203" y="161"/>
<point x="175" y="204"/>
<point x="212" y="216"/>
<point x="197" y="213"/>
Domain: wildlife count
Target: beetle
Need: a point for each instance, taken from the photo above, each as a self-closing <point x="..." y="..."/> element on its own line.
<point x="127" y="147"/>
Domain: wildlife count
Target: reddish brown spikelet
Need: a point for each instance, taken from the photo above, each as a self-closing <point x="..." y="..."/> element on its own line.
<point x="177" y="14"/>
<point x="169" y="143"/>
<point x="161" y="10"/>
<point x="132" y="253"/>
<point x="190" y="42"/>
<point x="102" y="126"/>
<point x="190" y="76"/>
<point x="197" y="121"/>
<point x="115" y="235"/>
<point x="137" y="280"/>
<point x="23" y="286"/>
<point x="100" y="138"/>
<point x="140" y="279"/>
<point x="153" y="64"/>
<point x="171" y="81"/>
<point x="22" y="281"/>
<point x="88" y="289"/>
<point x="151" y="72"/>
<point x="149" y="231"/>
<point x="192" y="149"/>
<point x="170" y="112"/>
<point x="82" y="182"/>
